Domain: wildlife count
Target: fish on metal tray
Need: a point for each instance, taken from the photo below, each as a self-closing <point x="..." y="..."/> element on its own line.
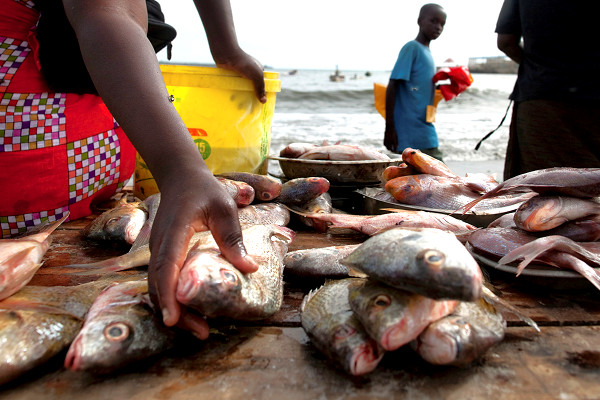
<point x="211" y="285"/>
<point x="497" y="242"/>
<point x="334" y="329"/>
<point x="38" y="322"/>
<point x="374" y="224"/>
<point x="295" y="150"/>
<point x="20" y="258"/>
<point x="265" y="187"/>
<point x="543" y="213"/>
<point x="120" y="328"/>
<point x="576" y="182"/>
<point x="560" y="252"/>
<point x="395" y="171"/>
<point x="299" y="191"/>
<point x="394" y="317"/>
<point x="426" y="261"/>
<point x="343" y="152"/>
<point x="463" y="336"/>
<point x="318" y="263"/>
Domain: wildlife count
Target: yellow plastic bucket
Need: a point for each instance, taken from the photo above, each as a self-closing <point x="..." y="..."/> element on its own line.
<point x="230" y="127"/>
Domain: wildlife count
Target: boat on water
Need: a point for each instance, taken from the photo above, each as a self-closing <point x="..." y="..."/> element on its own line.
<point x="337" y="76"/>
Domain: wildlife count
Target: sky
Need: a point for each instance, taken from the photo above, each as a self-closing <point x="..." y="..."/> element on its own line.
<point x="320" y="34"/>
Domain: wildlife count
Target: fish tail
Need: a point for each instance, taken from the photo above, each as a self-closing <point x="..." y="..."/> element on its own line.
<point x="584" y="269"/>
<point x="491" y="298"/>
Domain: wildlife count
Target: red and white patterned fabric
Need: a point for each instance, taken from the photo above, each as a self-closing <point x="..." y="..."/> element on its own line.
<point x="58" y="151"/>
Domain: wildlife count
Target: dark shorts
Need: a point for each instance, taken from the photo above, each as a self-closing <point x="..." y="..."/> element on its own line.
<point x="546" y="134"/>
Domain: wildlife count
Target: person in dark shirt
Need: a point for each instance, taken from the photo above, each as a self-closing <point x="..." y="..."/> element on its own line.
<point x="556" y="113"/>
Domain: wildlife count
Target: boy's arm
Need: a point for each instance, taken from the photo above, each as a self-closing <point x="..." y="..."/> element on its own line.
<point x="218" y="23"/>
<point x="390" y="140"/>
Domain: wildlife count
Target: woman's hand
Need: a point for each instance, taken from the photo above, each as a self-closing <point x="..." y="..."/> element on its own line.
<point x="248" y="67"/>
<point x="189" y="205"/>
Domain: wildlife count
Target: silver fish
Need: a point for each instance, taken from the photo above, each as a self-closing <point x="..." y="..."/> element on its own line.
<point x="214" y="287"/>
<point x="120" y="328"/>
<point x="20" y="258"/>
<point x="543" y="213"/>
<point x="463" y="336"/>
<point x="317" y="263"/>
<point x="38" y="322"/>
<point x="264" y="214"/>
<point x="299" y="191"/>
<point x="321" y="204"/>
<point x="335" y="330"/>
<point x="265" y="187"/>
<point x="426" y="261"/>
<point x="394" y="317"/>
<point x="122" y="223"/>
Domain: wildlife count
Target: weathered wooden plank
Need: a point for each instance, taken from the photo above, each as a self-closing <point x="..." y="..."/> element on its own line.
<point x="271" y="362"/>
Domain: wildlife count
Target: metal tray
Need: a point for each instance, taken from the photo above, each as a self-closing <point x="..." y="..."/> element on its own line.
<point x="536" y="273"/>
<point x="480" y="219"/>
<point x="347" y="172"/>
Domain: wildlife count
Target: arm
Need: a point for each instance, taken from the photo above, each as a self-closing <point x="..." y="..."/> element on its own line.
<point x="510" y="45"/>
<point x="390" y="140"/>
<point x="125" y="71"/>
<point x="218" y="23"/>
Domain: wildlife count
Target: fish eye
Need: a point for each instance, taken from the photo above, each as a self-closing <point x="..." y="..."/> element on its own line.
<point x="116" y="332"/>
<point x="382" y="301"/>
<point x="112" y="221"/>
<point x="296" y="256"/>
<point x="435" y="258"/>
<point x="229" y="277"/>
<point x="343" y="332"/>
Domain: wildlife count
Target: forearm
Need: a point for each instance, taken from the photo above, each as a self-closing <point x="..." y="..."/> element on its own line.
<point x="510" y="45"/>
<point x="218" y="24"/>
<point x="390" y="101"/>
<point x="125" y="71"/>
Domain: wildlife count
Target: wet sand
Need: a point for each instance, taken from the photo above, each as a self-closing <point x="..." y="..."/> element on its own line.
<point x="492" y="167"/>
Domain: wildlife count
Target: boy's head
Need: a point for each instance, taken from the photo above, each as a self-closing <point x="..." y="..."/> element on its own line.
<point x="432" y="19"/>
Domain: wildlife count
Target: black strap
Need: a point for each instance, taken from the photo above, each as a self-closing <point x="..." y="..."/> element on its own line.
<point x="498" y="127"/>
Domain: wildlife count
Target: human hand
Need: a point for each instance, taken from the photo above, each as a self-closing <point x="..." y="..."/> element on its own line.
<point x="248" y="67"/>
<point x="188" y="206"/>
<point x="390" y="140"/>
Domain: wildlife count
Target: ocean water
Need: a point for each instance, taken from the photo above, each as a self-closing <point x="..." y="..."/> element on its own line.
<point x="311" y="108"/>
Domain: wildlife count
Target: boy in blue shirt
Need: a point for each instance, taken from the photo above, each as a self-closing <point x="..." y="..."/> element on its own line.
<point x="411" y="89"/>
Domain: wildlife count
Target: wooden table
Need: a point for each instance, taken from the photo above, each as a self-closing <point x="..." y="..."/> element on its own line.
<point x="274" y="359"/>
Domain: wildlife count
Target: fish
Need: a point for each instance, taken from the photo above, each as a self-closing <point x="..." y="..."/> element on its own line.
<point x="394" y="317"/>
<point x="139" y="254"/>
<point x="265" y="187"/>
<point x="295" y="150"/>
<point x="542" y="213"/>
<point x="343" y="152"/>
<point x="560" y="252"/>
<point x="315" y="263"/>
<point x="121" y="223"/>
<point x="321" y="204"/>
<point x="576" y="182"/>
<point x="463" y="336"/>
<point x="120" y="328"/>
<point x="299" y="191"/>
<point x="20" y="258"/>
<point x="426" y="164"/>
<point x="442" y="193"/>
<point x="497" y="242"/>
<point x="586" y="229"/>
<point x="395" y="171"/>
<point x="426" y="261"/>
<point x="372" y="225"/>
<point x="211" y="285"/>
<point x="39" y="322"/>
<point x="504" y="221"/>
<point x="334" y="329"/>
<point x="264" y="214"/>
<point x="242" y="193"/>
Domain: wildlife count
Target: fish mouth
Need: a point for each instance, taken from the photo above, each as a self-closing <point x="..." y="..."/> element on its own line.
<point x="365" y="359"/>
<point x="439" y="349"/>
<point x="73" y="358"/>
<point x="188" y="286"/>
<point x="396" y="336"/>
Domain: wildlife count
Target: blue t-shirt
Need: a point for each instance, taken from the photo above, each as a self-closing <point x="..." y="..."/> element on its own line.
<point x="415" y="69"/>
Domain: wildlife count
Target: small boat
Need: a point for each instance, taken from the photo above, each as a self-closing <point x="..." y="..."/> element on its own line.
<point x="336" y="76"/>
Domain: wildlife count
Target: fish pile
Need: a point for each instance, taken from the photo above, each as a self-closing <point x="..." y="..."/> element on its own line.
<point x="423" y="289"/>
<point x="559" y="226"/>
<point x="424" y="181"/>
<point x="335" y="152"/>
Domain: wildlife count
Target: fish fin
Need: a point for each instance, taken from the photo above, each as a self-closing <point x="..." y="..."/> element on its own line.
<point x="492" y="298"/>
<point x="12" y="304"/>
<point x="355" y="273"/>
<point x="309" y="296"/>
<point x="52" y="227"/>
<point x="584" y="269"/>
<point x="18" y="258"/>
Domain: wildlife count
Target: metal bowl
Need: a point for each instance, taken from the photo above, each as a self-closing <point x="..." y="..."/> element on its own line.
<point x="373" y="206"/>
<point x="362" y="172"/>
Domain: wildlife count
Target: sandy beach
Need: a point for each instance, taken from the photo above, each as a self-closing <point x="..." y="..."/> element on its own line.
<point x="492" y="167"/>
